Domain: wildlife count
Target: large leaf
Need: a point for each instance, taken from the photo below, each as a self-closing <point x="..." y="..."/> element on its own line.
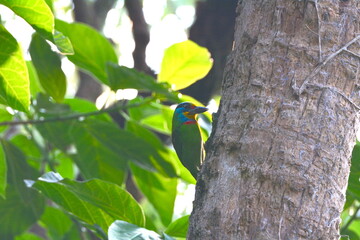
<point x="92" y="50"/>
<point x="56" y="222"/>
<point x="179" y="227"/>
<point x="121" y="77"/>
<point x="22" y="206"/>
<point x="120" y="230"/>
<point x="154" y="186"/>
<point x="36" y="12"/>
<point x="14" y="79"/>
<point x="94" y="159"/>
<point x="48" y="68"/>
<point x="183" y="64"/>
<point x="3" y="172"/>
<point x="94" y="202"/>
<point x="129" y="146"/>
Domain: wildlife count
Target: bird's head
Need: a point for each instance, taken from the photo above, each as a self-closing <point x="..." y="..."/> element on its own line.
<point x="187" y="111"/>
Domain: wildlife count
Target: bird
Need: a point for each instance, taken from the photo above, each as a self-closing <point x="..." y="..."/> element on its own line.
<point x="186" y="136"/>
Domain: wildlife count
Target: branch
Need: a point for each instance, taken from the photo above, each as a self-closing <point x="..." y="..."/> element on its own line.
<point x="75" y="116"/>
<point x="141" y="34"/>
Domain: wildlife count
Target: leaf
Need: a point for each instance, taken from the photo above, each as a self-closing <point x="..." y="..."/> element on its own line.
<point x="4" y="116"/>
<point x="179" y="227"/>
<point x="94" y="159"/>
<point x="63" y="43"/>
<point x="14" y="79"/>
<point x="154" y="186"/>
<point x="353" y="182"/>
<point x="28" y="236"/>
<point x="48" y="68"/>
<point x="36" y="12"/>
<point x="57" y="222"/>
<point x="39" y="15"/>
<point x="92" y="50"/>
<point x="120" y="230"/>
<point x="94" y="202"/>
<point x="22" y="206"/>
<point x="183" y="64"/>
<point x="3" y="173"/>
<point x="121" y="77"/>
<point x="129" y="146"/>
<point x="35" y="86"/>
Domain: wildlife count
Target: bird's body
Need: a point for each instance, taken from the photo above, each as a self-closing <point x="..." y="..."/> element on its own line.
<point x="186" y="136"/>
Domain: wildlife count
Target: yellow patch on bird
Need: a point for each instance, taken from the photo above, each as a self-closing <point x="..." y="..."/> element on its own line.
<point x="190" y="116"/>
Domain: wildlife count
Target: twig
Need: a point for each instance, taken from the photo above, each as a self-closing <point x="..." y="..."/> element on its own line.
<point x="301" y="89"/>
<point x="74" y="116"/>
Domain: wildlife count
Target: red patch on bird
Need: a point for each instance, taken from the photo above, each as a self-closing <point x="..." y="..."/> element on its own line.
<point x="190" y="122"/>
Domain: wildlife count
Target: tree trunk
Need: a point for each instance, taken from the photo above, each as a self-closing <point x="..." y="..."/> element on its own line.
<point x="278" y="159"/>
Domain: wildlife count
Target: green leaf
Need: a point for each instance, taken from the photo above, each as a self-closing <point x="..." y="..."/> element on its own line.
<point x="4" y="117"/>
<point x="22" y="206"/>
<point x="14" y="79"/>
<point x="121" y="77"/>
<point x="179" y="227"/>
<point x="123" y="230"/>
<point x="36" y="12"/>
<point x="39" y="15"/>
<point x="92" y="50"/>
<point x="84" y="106"/>
<point x="56" y="222"/>
<point x="183" y="64"/>
<point x="353" y="183"/>
<point x="48" y="68"/>
<point x="63" y="43"/>
<point x="94" y="202"/>
<point x="29" y="148"/>
<point x="28" y="236"/>
<point x="94" y="159"/>
<point x="129" y="146"/>
<point x="3" y="172"/>
<point x="35" y="86"/>
<point x="154" y="186"/>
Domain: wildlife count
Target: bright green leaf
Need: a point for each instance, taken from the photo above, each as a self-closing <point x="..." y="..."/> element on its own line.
<point x="3" y="172"/>
<point x="28" y="236"/>
<point x="154" y="186"/>
<point x="120" y="230"/>
<point x="35" y="86"/>
<point x="183" y="64"/>
<point x="179" y="227"/>
<point x="14" y="79"/>
<point x="63" y="43"/>
<point x="48" y="68"/>
<point x="92" y="50"/>
<point x="36" y="12"/>
<point x="353" y="182"/>
<point x="94" y="202"/>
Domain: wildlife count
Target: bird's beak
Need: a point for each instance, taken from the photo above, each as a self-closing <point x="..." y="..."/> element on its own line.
<point x="197" y="110"/>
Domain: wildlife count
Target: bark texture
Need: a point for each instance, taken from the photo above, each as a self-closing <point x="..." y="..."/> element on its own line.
<point x="278" y="159"/>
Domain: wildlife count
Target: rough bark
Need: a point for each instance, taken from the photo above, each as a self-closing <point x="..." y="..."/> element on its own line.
<point x="278" y="159"/>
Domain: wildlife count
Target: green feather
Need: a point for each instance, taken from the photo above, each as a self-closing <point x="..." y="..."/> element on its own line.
<point x="188" y="145"/>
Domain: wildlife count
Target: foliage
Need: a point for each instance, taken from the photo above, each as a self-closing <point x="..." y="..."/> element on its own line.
<point x="63" y="162"/>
